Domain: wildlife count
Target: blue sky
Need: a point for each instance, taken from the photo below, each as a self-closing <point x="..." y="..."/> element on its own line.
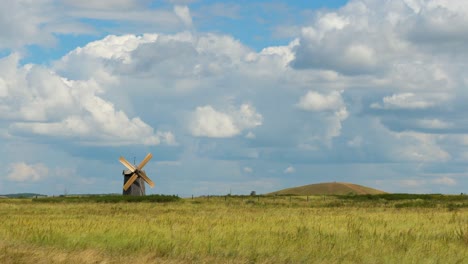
<point x="233" y="95"/>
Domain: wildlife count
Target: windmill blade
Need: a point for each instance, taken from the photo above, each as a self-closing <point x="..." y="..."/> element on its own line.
<point x="127" y="164"/>
<point x="144" y="161"/>
<point x="130" y="181"/>
<point x="146" y="178"/>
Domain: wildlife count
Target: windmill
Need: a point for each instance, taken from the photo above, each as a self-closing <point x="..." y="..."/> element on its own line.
<point x="135" y="177"/>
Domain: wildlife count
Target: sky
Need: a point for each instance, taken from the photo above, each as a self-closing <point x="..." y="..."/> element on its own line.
<point x="233" y="96"/>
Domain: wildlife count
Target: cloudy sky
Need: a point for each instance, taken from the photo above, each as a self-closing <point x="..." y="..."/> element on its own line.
<point x="233" y="95"/>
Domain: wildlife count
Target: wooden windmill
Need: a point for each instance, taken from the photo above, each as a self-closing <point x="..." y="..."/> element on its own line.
<point x="135" y="177"/>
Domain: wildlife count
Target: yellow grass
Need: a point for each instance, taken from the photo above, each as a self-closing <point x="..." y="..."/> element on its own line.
<point x="230" y="231"/>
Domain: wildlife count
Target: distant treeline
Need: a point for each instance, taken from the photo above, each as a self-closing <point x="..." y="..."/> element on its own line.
<point x="395" y="200"/>
<point x="22" y="195"/>
<point x="404" y="196"/>
<point x="405" y="200"/>
<point x="156" y="198"/>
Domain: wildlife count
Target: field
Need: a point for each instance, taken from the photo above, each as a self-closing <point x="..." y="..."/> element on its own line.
<point x="281" y="229"/>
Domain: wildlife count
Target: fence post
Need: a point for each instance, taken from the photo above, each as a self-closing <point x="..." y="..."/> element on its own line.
<point x="290" y="198"/>
<point x="307" y="197"/>
<point x="192" y="196"/>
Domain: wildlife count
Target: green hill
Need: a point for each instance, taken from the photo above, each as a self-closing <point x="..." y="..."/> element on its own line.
<point x="328" y="188"/>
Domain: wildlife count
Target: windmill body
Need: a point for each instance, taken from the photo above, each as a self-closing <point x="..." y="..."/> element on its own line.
<point x="135" y="177"/>
<point x="138" y="186"/>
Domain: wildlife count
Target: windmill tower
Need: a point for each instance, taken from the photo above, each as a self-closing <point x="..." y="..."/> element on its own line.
<point x="135" y="177"/>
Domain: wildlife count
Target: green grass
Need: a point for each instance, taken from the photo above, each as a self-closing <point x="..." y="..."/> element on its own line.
<point x="322" y="229"/>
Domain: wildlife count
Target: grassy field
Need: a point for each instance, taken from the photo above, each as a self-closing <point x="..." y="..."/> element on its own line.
<point x="318" y="229"/>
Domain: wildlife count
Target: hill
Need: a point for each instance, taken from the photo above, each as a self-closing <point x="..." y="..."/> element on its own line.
<point x="328" y="188"/>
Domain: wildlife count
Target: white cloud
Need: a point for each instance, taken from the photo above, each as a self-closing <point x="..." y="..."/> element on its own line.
<point x="104" y="4"/>
<point x="420" y="147"/>
<point x="221" y="47"/>
<point x="369" y="37"/>
<point x="183" y="12"/>
<point x="360" y="55"/>
<point x="133" y="15"/>
<point x="356" y="142"/>
<point x="332" y="21"/>
<point x="335" y="123"/>
<point x="314" y="101"/>
<point x="438" y="22"/>
<point x="434" y="124"/>
<point x="417" y="183"/>
<point x="167" y="138"/>
<point x="43" y="103"/>
<point x="247" y="117"/>
<point x="24" y="23"/>
<point x="112" y="47"/>
<point x="98" y="55"/>
<point x="211" y="123"/>
<point x="208" y="122"/>
<point x="284" y="53"/>
<point x="404" y="101"/>
<point x="289" y="170"/>
<point x="34" y="93"/>
<point x="183" y="60"/>
<point x="332" y="104"/>
<point x="250" y="135"/>
<point x="23" y="172"/>
<point x="462" y="139"/>
<point x="3" y="88"/>
<point x="445" y="181"/>
<point x="248" y="170"/>
<point x="39" y="22"/>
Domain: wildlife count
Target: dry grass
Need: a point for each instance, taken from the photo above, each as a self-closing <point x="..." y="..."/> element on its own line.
<point x="231" y="231"/>
<point x="18" y="253"/>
